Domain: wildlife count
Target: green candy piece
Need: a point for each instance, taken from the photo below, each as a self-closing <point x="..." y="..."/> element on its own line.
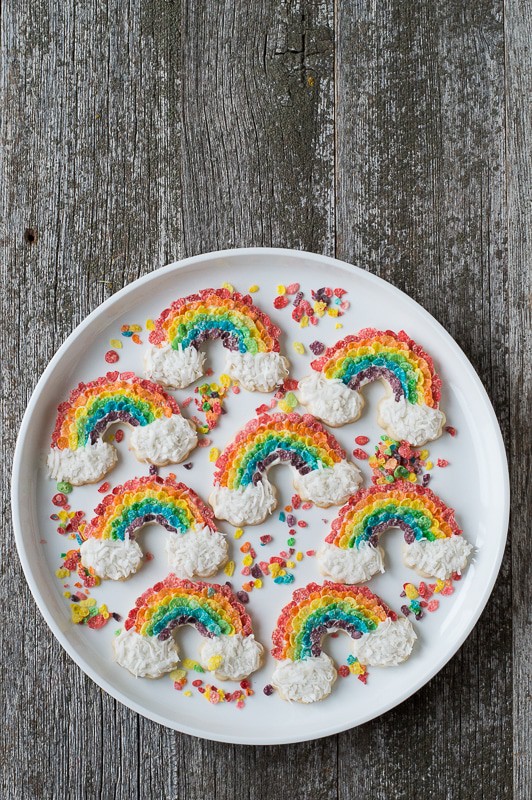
<point x="64" y="487"/>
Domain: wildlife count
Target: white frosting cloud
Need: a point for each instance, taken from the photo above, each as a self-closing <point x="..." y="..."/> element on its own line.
<point x="415" y="423"/>
<point x="241" y="655"/>
<point x="166" y="440"/>
<point x="354" y="565"/>
<point x="438" y="559"/>
<point x="329" y="399"/>
<point x="305" y="681"/>
<point x="111" y="559"/>
<point x="174" y="368"/>
<point x="244" y="506"/>
<point x="145" y="656"/>
<point x="198" y="552"/>
<point x="389" y="645"/>
<point x="329" y="486"/>
<point x="85" y="465"/>
<point x="261" y="372"/>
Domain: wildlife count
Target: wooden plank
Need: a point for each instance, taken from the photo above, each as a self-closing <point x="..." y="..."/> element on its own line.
<point x="258" y="125"/>
<point x="518" y="25"/>
<point x="421" y="201"/>
<point x="89" y="165"/>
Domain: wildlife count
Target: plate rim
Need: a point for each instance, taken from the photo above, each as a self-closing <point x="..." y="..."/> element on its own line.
<point x="32" y="582"/>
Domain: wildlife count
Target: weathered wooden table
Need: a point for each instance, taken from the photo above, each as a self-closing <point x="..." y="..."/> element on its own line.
<point x="392" y="134"/>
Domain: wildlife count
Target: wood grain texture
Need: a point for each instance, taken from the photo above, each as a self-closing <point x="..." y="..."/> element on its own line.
<point x="421" y="201"/>
<point x="393" y="134"/>
<point x="518" y="23"/>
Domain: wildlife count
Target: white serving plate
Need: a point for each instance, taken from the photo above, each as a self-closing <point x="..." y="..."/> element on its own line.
<point x="475" y="484"/>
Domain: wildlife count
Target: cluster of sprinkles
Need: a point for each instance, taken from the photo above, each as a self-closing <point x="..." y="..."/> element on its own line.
<point x="70" y="522"/>
<point x="284" y="398"/>
<point x="84" y="610"/>
<point x="395" y="461"/>
<point x="421" y="597"/>
<point x="71" y="562"/>
<point x="327" y="301"/>
<point x="209" y="691"/>
<point x="279" y="567"/>
<point x="210" y="401"/>
<point x="353" y="667"/>
<point x="127" y="332"/>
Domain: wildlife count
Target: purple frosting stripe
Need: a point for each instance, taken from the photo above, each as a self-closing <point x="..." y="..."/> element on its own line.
<point x="372" y="374"/>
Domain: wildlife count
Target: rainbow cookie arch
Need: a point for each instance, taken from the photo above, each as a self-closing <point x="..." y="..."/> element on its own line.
<point x="433" y="541"/>
<point x="409" y="411"/>
<point x="306" y="674"/>
<point x="160" y="434"/>
<point x="147" y="649"/>
<point x="194" y="546"/>
<point x="242" y="493"/>
<point x="251" y="339"/>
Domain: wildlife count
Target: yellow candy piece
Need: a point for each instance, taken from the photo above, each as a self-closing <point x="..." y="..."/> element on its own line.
<point x="411" y="591"/>
<point x="338" y="326"/>
<point x="188" y="693"/>
<point x="439" y="585"/>
<point x="228" y="286"/>
<point x="332" y="312"/>
<point x="178" y="674"/>
<point x="214" y="662"/>
<point x="274" y="569"/>
<point x="253" y="288"/>
<point x="247" y="561"/>
<point x="282" y="572"/>
<point x="116" y="343"/>
<point x="135" y="328"/>
<point x="229" y="568"/>
<point x="299" y="556"/>
<point x="225" y="380"/>
<point x="213" y="454"/>
<point x="290" y="564"/>
<point x="299" y="348"/>
<point x="150" y="324"/>
<point x="304" y="321"/>
<point x="429" y="465"/>
<point x="103" y="610"/>
<point x="189" y="663"/>
<point x="78" y="613"/>
<point x="238" y="533"/>
<point x="281" y="289"/>
<point x="67" y="594"/>
<point x="62" y="573"/>
<point x="258" y="583"/>
<point x="424" y="454"/>
<point x="412" y="477"/>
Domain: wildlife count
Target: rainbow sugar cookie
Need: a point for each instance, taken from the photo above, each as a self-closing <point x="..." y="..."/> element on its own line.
<point x="410" y="408"/>
<point x="434" y="545"/>
<point x="193" y="546"/>
<point x="160" y="434"/>
<point x="242" y="493"/>
<point x="306" y="674"/>
<point x="248" y="334"/>
<point x="147" y="648"/>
